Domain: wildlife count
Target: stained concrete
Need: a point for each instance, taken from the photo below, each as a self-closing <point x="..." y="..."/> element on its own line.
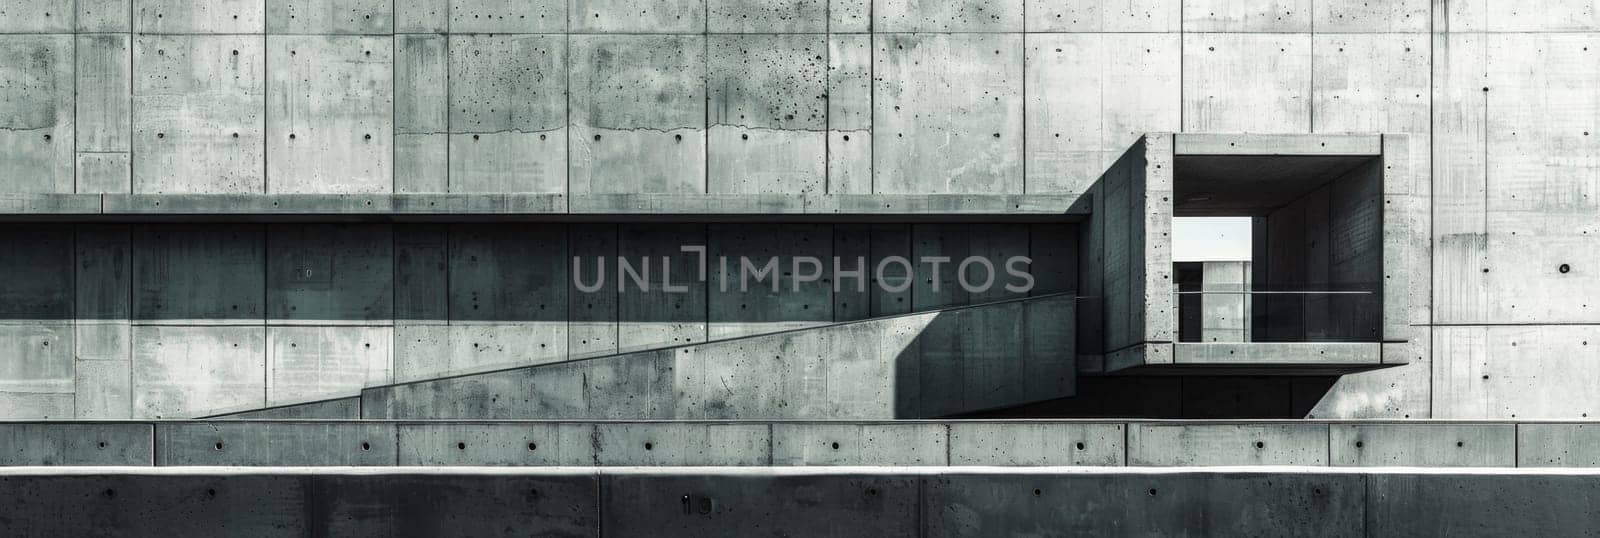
<point x="332" y="103"/>
<point x="768" y="104"/>
<point x="199" y="104"/>
<point x="637" y="129"/>
<point x="1177" y="444"/>
<point x="508" y="113"/>
<point x="232" y="443"/>
<point x="37" y="112"/>
<point x="932" y="134"/>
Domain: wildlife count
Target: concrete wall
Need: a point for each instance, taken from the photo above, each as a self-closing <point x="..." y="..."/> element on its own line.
<point x="921" y="365"/>
<point x="183" y="320"/>
<point x="167" y="96"/>
<point x="828" y="443"/>
<point x="890" y="501"/>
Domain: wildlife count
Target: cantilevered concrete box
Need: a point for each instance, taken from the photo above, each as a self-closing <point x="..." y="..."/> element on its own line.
<point x="1339" y="236"/>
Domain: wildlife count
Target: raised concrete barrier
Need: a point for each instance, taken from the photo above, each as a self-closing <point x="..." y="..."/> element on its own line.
<point x="844" y="501"/>
<point x="797" y="443"/>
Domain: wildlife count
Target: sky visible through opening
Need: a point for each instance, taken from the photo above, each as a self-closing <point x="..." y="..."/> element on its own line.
<point x="1198" y="239"/>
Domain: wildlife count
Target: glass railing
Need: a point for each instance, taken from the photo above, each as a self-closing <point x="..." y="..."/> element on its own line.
<point x="1301" y="313"/>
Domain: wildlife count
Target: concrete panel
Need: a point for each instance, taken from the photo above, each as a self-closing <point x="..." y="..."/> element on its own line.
<point x="934" y="132"/>
<point x="1175" y="504"/>
<point x="859" y="444"/>
<point x="330" y="100"/>
<point x="508" y="113"/>
<point x="103" y="389"/>
<point x="421" y="113"/>
<point x="1527" y="372"/>
<point x="1371" y="83"/>
<point x="506" y="444"/>
<point x="1036" y="444"/>
<point x="1558" y="445"/>
<point x="76" y="444"/>
<point x="849" y="114"/>
<point x="505" y="310"/>
<point x="1542" y="243"/>
<point x="849" y="16"/>
<point x="637" y="16"/>
<point x="421" y="273"/>
<point x="105" y="173"/>
<point x="1488" y="16"/>
<point x="680" y="443"/>
<point x="592" y="320"/>
<point x="1247" y="83"/>
<point x="200" y="17"/>
<point x="330" y="16"/>
<point x="209" y="273"/>
<point x="637" y="126"/>
<point x="422" y="16"/>
<point x="940" y="284"/>
<point x="1423" y="445"/>
<point x="105" y="85"/>
<point x="946" y="16"/>
<point x="740" y="303"/>
<point x="1458" y="504"/>
<point x="508" y="17"/>
<point x="1094" y="16"/>
<point x="1227" y="444"/>
<point x="37" y="260"/>
<point x="105" y="15"/>
<point x="37" y="370"/>
<point x="439" y="505"/>
<point x="1359" y="16"/>
<point x="315" y="363"/>
<point x="198" y="113"/>
<point x="1460" y="160"/>
<point x="1256" y="16"/>
<point x="338" y="273"/>
<point x="768" y="113"/>
<point x="652" y="503"/>
<point x="106" y="504"/>
<point x="767" y="16"/>
<point x="37" y="17"/>
<point x="36" y="113"/>
<point x="187" y="371"/>
<point x="875" y="242"/>
<point x="279" y="444"/>
<point x="658" y="317"/>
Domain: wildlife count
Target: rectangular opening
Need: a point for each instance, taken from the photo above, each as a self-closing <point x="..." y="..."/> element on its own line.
<point x="1312" y="270"/>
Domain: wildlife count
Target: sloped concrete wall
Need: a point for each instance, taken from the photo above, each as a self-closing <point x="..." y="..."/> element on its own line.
<point x="184" y="320"/>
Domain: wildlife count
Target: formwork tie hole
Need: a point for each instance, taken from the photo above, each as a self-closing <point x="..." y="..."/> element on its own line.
<point x="836" y="446"/>
<point x="1260" y="444"/>
<point x="461" y="446"/>
<point x="1080" y="446"/>
<point x="533" y="446"/>
<point x="1152" y="492"/>
<point x="218" y="446"/>
<point x="1037" y="492"/>
<point x="649" y="446"/>
<point x="366" y="446"/>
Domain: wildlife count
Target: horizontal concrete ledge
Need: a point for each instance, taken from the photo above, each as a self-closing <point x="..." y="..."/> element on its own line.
<point x="1245" y="358"/>
<point x="1277" y="144"/>
<point x="1026" y="443"/>
<point x="885" y="501"/>
<point x="554" y="207"/>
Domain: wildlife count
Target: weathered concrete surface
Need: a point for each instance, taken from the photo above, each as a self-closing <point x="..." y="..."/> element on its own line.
<point x="1025" y="444"/>
<point x="1177" y="444"/>
<point x="37" y="126"/>
<point x="110" y="444"/>
<point x="637" y="126"/>
<point x="234" y="443"/>
<point x="198" y="112"/>
<point x="508" y="114"/>
<point x="768" y="110"/>
<point x="931" y="133"/>
<point x="497" y="444"/>
<point x="1431" y="445"/>
<point x="1009" y="353"/>
<point x="892" y="501"/>
<point x="331" y="100"/>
